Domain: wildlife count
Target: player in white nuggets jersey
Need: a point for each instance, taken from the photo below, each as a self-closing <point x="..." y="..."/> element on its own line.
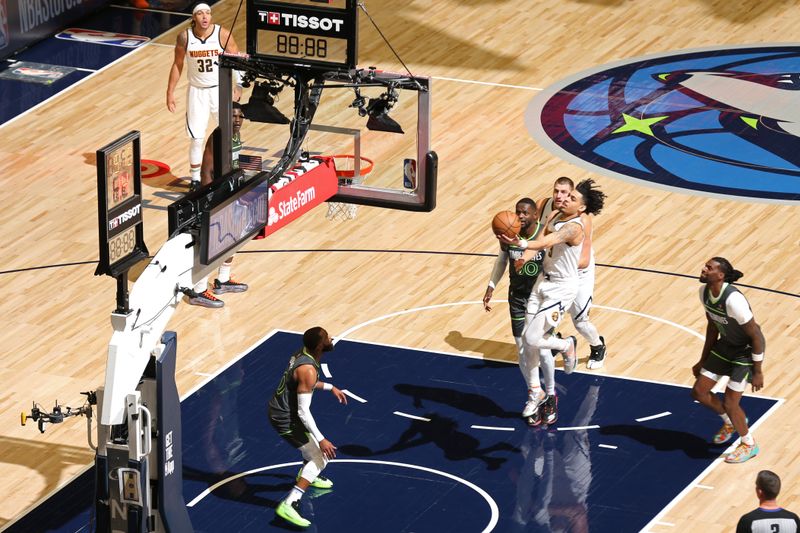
<point x="579" y="310"/>
<point x="555" y="290"/>
<point x="200" y="47"/>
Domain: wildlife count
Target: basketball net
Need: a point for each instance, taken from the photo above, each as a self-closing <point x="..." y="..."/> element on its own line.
<point x="345" y="171"/>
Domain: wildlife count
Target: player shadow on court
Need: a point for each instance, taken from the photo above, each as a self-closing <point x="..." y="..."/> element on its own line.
<point x="243" y="489"/>
<point x="507" y="351"/>
<point x="443" y="432"/>
<point x="476" y="404"/>
<point x="665" y="440"/>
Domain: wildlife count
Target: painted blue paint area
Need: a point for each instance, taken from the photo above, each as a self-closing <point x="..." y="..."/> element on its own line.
<point x="67" y="511"/>
<point x="535" y="476"/>
<point x="395" y="473"/>
<point x="16" y="97"/>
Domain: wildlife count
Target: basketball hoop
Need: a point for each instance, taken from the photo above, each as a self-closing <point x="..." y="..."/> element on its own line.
<point x="344" y="166"/>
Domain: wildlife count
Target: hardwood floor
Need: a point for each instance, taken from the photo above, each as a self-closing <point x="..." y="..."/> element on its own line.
<point x="488" y="59"/>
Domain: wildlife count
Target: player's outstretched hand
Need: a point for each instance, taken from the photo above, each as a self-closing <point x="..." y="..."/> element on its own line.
<point x="171" y="103"/>
<point x="328" y="449"/>
<point x="758" y="381"/>
<point x="339" y="395"/>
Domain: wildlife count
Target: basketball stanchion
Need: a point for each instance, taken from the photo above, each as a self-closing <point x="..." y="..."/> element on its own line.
<point x="348" y="173"/>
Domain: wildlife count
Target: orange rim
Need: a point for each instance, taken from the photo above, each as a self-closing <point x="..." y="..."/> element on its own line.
<point x="345" y="168"/>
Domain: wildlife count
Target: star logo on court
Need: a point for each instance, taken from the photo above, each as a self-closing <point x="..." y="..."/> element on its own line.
<point x="641" y="125"/>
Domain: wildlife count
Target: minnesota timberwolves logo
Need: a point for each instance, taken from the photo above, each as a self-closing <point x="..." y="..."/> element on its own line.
<point x="722" y="121"/>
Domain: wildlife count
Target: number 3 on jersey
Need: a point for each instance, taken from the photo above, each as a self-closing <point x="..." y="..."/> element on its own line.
<point x="205" y="65"/>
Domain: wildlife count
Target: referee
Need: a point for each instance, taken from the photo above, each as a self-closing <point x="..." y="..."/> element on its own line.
<point x="769" y="517"/>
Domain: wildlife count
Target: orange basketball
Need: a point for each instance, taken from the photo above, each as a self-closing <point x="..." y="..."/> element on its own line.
<point x="506" y="222"/>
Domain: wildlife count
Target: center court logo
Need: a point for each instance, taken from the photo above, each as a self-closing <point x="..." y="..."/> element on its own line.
<point x="717" y="121"/>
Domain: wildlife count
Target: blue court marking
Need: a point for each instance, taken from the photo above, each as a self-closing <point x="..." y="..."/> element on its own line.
<point x="399" y="474"/>
<point x="16" y="97"/>
<point x="530" y="473"/>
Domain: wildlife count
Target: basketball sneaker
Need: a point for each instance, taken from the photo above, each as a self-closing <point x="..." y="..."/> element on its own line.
<point x="291" y="513"/>
<point x="724" y="434"/>
<point x="534" y="402"/>
<point x="570" y="356"/>
<point x="205" y="299"/>
<point x="597" y="355"/>
<point x="221" y="287"/>
<point x="535" y="419"/>
<point x="320" y="483"/>
<point x="742" y="453"/>
<point x="550" y="410"/>
<point x="194" y="185"/>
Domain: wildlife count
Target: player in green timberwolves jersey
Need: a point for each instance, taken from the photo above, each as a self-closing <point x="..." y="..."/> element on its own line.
<point x="734" y="347"/>
<point x="204" y="295"/>
<point x="520" y="283"/>
<point x="290" y="415"/>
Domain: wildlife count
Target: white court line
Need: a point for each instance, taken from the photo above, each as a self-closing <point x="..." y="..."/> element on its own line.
<point x="491" y="84"/>
<point x="668" y="524"/>
<point x="354" y="396"/>
<point x="578" y="428"/>
<point x="653" y="417"/>
<point x="656" y="519"/>
<point x="609" y="446"/>
<point x="326" y="371"/>
<point x="651" y="317"/>
<point x="413" y="417"/>
<point x="90" y="76"/>
<point x="704" y="487"/>
<point x="494" y="511"/>
<point x="493" y="428"/>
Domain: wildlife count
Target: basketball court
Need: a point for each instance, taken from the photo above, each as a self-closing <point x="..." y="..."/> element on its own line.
<point x="429" y="439"/>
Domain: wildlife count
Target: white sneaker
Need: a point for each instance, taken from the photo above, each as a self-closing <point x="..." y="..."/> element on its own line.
<point x="533" y="404"/>
<point x="570" y="356"/>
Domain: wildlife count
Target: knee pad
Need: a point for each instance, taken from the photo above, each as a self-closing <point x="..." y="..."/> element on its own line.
<point x="315" y="461"/>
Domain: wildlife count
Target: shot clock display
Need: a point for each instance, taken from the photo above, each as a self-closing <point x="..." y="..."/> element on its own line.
<point x="318" y="34"/>
<point x="119" y="205"/>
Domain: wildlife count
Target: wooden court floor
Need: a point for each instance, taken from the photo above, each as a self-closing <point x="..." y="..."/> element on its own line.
<point x="489" y="58"/>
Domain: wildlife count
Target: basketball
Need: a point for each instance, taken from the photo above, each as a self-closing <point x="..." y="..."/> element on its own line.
<point x="506" y="222"/>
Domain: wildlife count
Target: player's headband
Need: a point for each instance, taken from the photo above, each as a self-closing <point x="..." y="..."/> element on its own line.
<point x="201" y="7"/>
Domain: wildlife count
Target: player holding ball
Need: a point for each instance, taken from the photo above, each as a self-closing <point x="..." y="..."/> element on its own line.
<point x="523" y="223"/>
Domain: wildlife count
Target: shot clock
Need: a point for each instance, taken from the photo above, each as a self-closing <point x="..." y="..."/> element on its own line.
<point x="317" y="34"/>
<point x="119" y="205"/>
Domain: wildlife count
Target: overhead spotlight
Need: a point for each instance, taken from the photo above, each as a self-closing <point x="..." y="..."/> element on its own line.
<point x="260" y="109"/>
<point x="378" y="111"/>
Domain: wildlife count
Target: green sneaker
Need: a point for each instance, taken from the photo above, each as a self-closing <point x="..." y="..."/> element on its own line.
<point x="320" y="483"/>
<point x="291" y="513"/>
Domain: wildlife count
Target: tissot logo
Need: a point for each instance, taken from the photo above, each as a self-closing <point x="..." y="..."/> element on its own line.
<point x="721" y="121"/>
<point x="124" y="217"/>
<point x="290" y="20"/>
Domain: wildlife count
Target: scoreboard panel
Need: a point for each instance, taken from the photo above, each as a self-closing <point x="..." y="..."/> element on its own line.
<point x="119" y="205"/>
<point x="313" y="34"/>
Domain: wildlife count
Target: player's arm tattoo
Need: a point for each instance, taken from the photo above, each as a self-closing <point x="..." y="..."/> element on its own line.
<point x="568" y="232"/>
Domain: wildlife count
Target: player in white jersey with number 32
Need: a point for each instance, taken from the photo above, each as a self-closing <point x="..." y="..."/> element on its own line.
<point x="200" y="47"/>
